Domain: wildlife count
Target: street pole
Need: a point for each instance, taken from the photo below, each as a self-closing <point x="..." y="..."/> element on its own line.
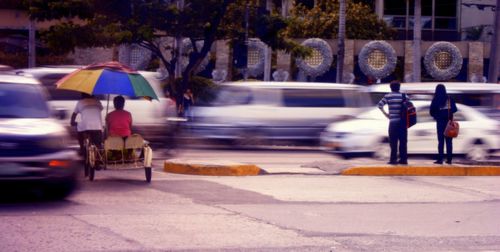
<point x="341" y="42"/>
<point x="31" y="44"/>
<point x="417" y="38"/>
<point x="267" y="52"/>
<point x="178" y="46"/>
<point x="245" y="71"/>
<point x="495" y="52"/>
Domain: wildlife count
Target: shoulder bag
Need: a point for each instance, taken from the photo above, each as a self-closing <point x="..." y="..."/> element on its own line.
<point x="452" y="127"/>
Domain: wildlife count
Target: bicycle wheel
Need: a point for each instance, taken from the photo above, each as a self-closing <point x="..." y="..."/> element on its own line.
<point x="86" y="167"/>
<point x="86" y="161"/>
<point x="92" y="161"/>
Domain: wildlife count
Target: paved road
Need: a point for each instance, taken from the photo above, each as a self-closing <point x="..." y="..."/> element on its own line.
<point x="280" y="212"/>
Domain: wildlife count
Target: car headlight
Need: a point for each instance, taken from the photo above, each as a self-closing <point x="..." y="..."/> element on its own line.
<point x="337" y="135"/>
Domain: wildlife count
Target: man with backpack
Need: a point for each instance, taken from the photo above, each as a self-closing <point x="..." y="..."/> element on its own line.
<point x="398" y="123"/>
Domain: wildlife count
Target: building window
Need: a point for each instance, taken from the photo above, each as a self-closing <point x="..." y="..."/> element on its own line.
<point x="436" y="15"/>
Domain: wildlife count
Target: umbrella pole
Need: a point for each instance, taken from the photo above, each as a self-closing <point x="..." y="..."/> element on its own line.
<point x="106" y="123"/>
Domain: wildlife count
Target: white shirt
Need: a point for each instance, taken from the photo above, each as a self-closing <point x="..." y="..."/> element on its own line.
<point x="90" y="112"/>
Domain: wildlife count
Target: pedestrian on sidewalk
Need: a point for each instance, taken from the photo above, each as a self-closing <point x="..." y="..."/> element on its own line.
<point x="398" y="132"/>
<point x="186" y="103"/>
<point x="442" y="109"/>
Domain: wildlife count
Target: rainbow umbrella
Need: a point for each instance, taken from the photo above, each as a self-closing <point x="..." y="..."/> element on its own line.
<point x="108" y="78"/>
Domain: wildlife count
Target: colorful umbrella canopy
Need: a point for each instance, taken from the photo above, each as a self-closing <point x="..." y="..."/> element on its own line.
<point x="108" y="78"/>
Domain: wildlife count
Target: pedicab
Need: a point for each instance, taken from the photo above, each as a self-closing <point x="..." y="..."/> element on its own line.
<point x="114" y="153"/>
<point x="132" y="152"/>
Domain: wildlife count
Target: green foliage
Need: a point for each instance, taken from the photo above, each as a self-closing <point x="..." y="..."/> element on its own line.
<point x="98" y="23"/>
<point x="322" y="22"/>
<point x="270" y="27"/>
<point x="44" y="10"/>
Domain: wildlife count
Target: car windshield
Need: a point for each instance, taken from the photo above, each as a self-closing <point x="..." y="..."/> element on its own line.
<point x="22" y="101"/>
<point x="233" y="96"/>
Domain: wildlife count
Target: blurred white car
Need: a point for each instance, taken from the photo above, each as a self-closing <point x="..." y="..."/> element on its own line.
<point x="367" y="133"/>
<point x="259" y="113"/>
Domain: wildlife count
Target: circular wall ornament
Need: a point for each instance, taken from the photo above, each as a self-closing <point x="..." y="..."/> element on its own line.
<point x="255" y="57"/>
<point x="377" y="59"/>
<point x="443" y="60"/>
<point x="320" y="60"/>
<point x="187" y="47"/>
<point x="134" y="55"/>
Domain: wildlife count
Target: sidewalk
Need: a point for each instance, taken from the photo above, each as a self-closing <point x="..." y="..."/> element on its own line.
<point x="361" y="167"/>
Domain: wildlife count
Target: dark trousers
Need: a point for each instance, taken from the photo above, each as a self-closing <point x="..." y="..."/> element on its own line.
<point x="398" y="134"/>
<point x="441" y="125"/>
<point x="95" y="137"/>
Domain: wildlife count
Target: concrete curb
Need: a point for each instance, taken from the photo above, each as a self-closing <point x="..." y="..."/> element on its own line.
<point x="453" y="170"/>
<point x="212" y="169"/>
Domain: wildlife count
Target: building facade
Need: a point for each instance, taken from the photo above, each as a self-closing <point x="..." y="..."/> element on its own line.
<point x="466" y="23"/>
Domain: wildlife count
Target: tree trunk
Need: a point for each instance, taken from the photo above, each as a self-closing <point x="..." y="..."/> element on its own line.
<point x="341" y="42"/>
<point x="417" y="39"/>
<point x="268" y="51"/>
<point x="197" y="56"/>
<point x="495" y="52"/>
<point x="178" y="46"/>
<point x="31" y="44"/>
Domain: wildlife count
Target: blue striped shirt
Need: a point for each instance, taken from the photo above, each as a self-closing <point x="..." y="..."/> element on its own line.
<point x="394" y="100"/>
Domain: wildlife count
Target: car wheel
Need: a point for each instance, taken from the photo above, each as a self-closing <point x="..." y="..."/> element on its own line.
<point x="477" y="152"/>
<point x="346" y="156"/>
<point x="382" y="151"/>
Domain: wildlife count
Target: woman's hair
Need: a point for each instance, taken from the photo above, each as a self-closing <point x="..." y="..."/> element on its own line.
<point x="440" y="95"/>
<point x="119" y="102"/>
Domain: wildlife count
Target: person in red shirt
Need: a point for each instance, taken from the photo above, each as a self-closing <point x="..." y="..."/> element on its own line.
<point x="119" y="121"/>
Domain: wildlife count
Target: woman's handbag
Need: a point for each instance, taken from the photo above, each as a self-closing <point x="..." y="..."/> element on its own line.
<point x="452" y="127"/>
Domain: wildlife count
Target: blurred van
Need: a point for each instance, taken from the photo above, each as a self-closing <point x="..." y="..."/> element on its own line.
<point x="482" y="96"/>
<point x="34" y="156"/>
<point x="254" y="113"/>
<point x="149" y="117"/>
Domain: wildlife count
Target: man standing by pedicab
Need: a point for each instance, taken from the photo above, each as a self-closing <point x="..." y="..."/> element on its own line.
<point x="397" y="129"/>
<point x="90" y="125"/>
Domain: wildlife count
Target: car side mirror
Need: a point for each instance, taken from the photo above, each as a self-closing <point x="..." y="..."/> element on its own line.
<point x="60" y="113"/>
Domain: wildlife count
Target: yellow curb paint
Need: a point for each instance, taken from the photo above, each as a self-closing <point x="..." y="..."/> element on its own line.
<point x="213" y="170"/>
<point x="423" y="171"/>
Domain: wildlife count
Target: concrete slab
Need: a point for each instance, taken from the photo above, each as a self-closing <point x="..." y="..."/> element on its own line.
<point x="211" y="167"/>
<point x="358" y="189"/>
<point x="417" y="170"/>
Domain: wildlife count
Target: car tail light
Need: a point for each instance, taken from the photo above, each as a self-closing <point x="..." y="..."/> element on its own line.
<point x="59" y="163"/>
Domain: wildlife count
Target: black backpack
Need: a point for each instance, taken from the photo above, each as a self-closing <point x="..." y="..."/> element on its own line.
<point x="408" y="113"/>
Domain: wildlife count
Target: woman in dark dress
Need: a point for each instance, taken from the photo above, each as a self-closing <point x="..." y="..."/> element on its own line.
<point x="442" y="111"/>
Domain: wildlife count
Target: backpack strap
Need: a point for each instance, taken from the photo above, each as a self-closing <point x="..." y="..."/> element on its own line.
<point x="449" y="109"/>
